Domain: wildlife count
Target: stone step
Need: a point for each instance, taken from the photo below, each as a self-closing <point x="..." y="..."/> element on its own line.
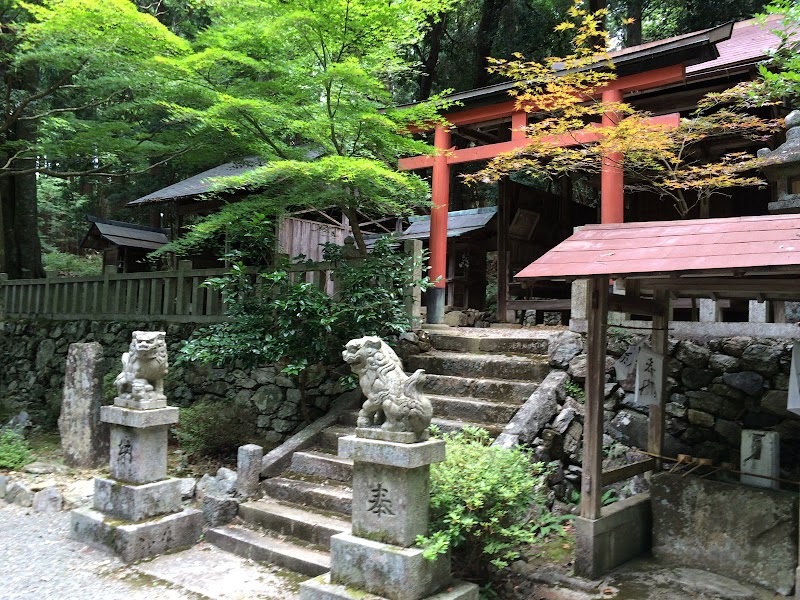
<point x="327" y="495"/>
<point x="490" y="389"/>
<point x="535" y="344"/>
<point x="293" y="520"/>
<point x="521" y="368"/>
<point x="473" y="409"/>
<point x="322" y="464"/>
<point x="256" y="546"/>
<point x="329" y="437"/>
<point x="445" y="425"/>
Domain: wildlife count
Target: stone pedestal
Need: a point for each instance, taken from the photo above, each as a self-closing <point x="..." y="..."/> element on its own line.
<point x="390" y="509"/>
<point x="138" y="511"/>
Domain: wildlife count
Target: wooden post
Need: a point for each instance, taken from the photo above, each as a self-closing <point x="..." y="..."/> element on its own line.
<point x="612" y="206"/>
<point x="108" y="271"/>
<point x="181" y="297"/>
<point x="659" y="341"/>
<point x="412" y="297"/>
<point x="592" y="486"/>
<point x="440" y="196"/>
<point x="3" y="292"/>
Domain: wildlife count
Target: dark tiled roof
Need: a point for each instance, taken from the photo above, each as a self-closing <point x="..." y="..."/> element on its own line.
<point x="459" y="222"/>
<point x="130" y="235"/>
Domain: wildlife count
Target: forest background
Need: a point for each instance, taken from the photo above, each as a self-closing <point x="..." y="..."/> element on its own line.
<point x="106" y="102"/>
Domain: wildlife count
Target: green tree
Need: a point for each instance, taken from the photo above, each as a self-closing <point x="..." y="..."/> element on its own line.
<point x="76" y="84"/>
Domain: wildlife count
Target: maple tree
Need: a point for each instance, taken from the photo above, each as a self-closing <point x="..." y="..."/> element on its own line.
<point x="567" y="134"/>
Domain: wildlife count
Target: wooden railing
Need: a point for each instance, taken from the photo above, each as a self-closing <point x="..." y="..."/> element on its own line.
<point x="176" y="296"/>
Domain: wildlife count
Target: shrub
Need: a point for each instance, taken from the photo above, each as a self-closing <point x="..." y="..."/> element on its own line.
<point x="14" y="450"/>
<point x="481" y="499"/>
<point x="64" y="264"/>
<point x="215" y="428"/>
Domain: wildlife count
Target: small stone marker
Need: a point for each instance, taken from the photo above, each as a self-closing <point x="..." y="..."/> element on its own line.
<point x="138" y="511"/>
<point x="391" y="478"/>
<point x="248" y="468"/>
<point x="649" y="375"/>
<point x="83" y="437"/>
<point x="760" y="452"/>
<point x="793" y="401"/>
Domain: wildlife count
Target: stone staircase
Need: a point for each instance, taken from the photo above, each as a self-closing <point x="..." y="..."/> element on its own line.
<point x="478" y="379"/>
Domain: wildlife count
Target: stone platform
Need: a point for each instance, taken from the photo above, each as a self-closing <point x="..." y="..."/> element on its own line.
<point x="323" y="589"/>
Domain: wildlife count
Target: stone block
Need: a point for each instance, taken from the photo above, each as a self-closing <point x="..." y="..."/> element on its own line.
<point x="248" y="467"/>
<point x="138" y="455"/>
<point x="84" y="438"/>
<point x="19" y="494"/>
<point x="137" y="502"/>
<point x="390" y="504"/>
<point x="321" y="588"/>
<point x="137" y="541"/>
<point x="148" y="404"/>
<point x="399" y="437"/>
<point x="188" y="487"/>
<point x="620" y="534"/>
<point x="760" y="455"/>
<point x="391" y="454"/>
<point x="757" y="542"/>
<point x="139" y="419"/>
<point x="48" y="500"/>
<point x="388" y="571"/>
<point x="3" y="486"/>
<point x="219" y="510"/>
<point x="749" y="382"/>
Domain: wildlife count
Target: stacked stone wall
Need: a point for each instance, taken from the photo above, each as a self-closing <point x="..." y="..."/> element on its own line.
<point x="33" y="359"/>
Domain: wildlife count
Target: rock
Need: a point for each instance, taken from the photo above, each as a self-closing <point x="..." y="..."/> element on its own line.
<point x="268" y="398"/>
<point x="208" y="485"/>
<point x="563" y="420"/>
<point x="219" y="510"/>
<point x="730" y="431"/>
<point x="577" y="368"/>
<point x="43" y="468"/>
<point x="732" y="408"/>
<point x="264" y="375"/>
<point x="762" y="358"/>
<point x="700" y="419"/>
<point x="674" y="409"/>
<point x="722" y="363"/>
<point x="19" y="423"/>
<point x="455" y="318"/>
<point x="563" y="348"/>
<point x="3" y="486"/>
<point x="726" y="391"/>
<point x="673" y="367"/>
<point x="48" y="500"/>
<point x="44" y="353"/>
<point x="775" y="401"/>
<point x="84" y="438"/>
<point x="572" y="442"/>
<point x="188" y="487"/>
<point x="227" y="481"/>
<point x="692" y="355"/>
<point x="79" y="493"/>
<point x="705" y="401"/>
<point x="780" y="381"/>
<point x="735" y="346"/>
<point x="631" y="429"/>
<point x="18" y="493"/>
<point x="695" y="379"/>
<point x="746" y="381"/>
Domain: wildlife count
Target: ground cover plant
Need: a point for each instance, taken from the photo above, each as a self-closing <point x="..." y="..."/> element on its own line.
<point x="15" y="451"/>
<point x="483" y="499"/>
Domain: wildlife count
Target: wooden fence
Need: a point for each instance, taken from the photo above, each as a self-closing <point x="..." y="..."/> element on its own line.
<point x="175" y="296"/>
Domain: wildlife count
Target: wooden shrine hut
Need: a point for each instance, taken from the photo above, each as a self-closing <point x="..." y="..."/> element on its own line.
<point x="124" y="245"/>
<point x="665" y="77"/>
<point x="747" y="257"/>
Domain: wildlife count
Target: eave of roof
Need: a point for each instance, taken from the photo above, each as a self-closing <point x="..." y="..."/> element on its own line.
<point x="673" y="249"/>
<point x="459" y="222"/>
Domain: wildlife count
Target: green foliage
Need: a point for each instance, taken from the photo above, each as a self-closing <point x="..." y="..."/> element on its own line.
<point x="481" y="497"/>
<point x="65" y="264"/>
<point x="14" y="450"/>
<point x="575" y="390"/>
<point x="217" y="429"/>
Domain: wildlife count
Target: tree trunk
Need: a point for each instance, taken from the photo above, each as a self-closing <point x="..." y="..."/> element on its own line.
<point x="434" y="39"/>
<point x="487" y="30"/>
<point x="633" y="30"/>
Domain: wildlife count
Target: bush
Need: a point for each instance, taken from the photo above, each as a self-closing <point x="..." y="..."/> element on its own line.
<point x="64" y="264"/>
<point x="481" y="499"/>
<point x="14" y="450"/>
<point x="215" y="429"/>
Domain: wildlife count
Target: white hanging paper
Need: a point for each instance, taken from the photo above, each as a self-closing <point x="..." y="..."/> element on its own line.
<point x="627" y="362"/>
<point x="793" y="404"/>
<point x="649" y="373"/>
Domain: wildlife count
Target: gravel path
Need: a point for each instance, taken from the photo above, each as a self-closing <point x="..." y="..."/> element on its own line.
<point x="38" y="561"/>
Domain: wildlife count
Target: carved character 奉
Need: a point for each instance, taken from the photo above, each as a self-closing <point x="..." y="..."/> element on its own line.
<point x="393" y="400"/>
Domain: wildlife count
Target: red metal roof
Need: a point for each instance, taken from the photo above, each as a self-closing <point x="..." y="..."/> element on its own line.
<point x="709" y="246"/>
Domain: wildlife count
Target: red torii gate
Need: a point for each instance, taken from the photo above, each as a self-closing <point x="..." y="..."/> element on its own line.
<point x="684" y="50"/>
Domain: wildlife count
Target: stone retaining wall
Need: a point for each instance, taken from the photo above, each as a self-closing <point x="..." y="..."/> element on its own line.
<point x="33" y="358"/>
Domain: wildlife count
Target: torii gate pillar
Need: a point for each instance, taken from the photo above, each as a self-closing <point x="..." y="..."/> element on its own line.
<point x="440" y="196"/>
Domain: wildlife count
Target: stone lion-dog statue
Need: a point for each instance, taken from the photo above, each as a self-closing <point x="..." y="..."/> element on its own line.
<point x="144" y="367"/>
<point x="393" y="401"/>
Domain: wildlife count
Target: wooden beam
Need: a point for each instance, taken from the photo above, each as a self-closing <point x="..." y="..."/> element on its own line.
<point x="659" y="343"/>
<point x="723" y="285"/>
<point x="628" y="471"/>
<point x="592" y="481"/>
<point x="631" y="305"/>
<point x="477" y="136"/>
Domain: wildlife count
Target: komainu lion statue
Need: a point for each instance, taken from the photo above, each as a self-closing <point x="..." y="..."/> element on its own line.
<point x="392" y="397"/>
<point x="144" y="367"/>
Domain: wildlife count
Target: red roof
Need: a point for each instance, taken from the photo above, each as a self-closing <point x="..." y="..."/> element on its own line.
<point x="710" y="246"/>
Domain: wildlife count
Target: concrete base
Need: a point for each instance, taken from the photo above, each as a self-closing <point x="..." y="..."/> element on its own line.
<point x="389" y="571"/>
<point x="321" y="588"/>
<point x="435" y="297"/>
<point x="623" y="532"/>
<point x="137" y="502"/>
<point x="137" y="541"/>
